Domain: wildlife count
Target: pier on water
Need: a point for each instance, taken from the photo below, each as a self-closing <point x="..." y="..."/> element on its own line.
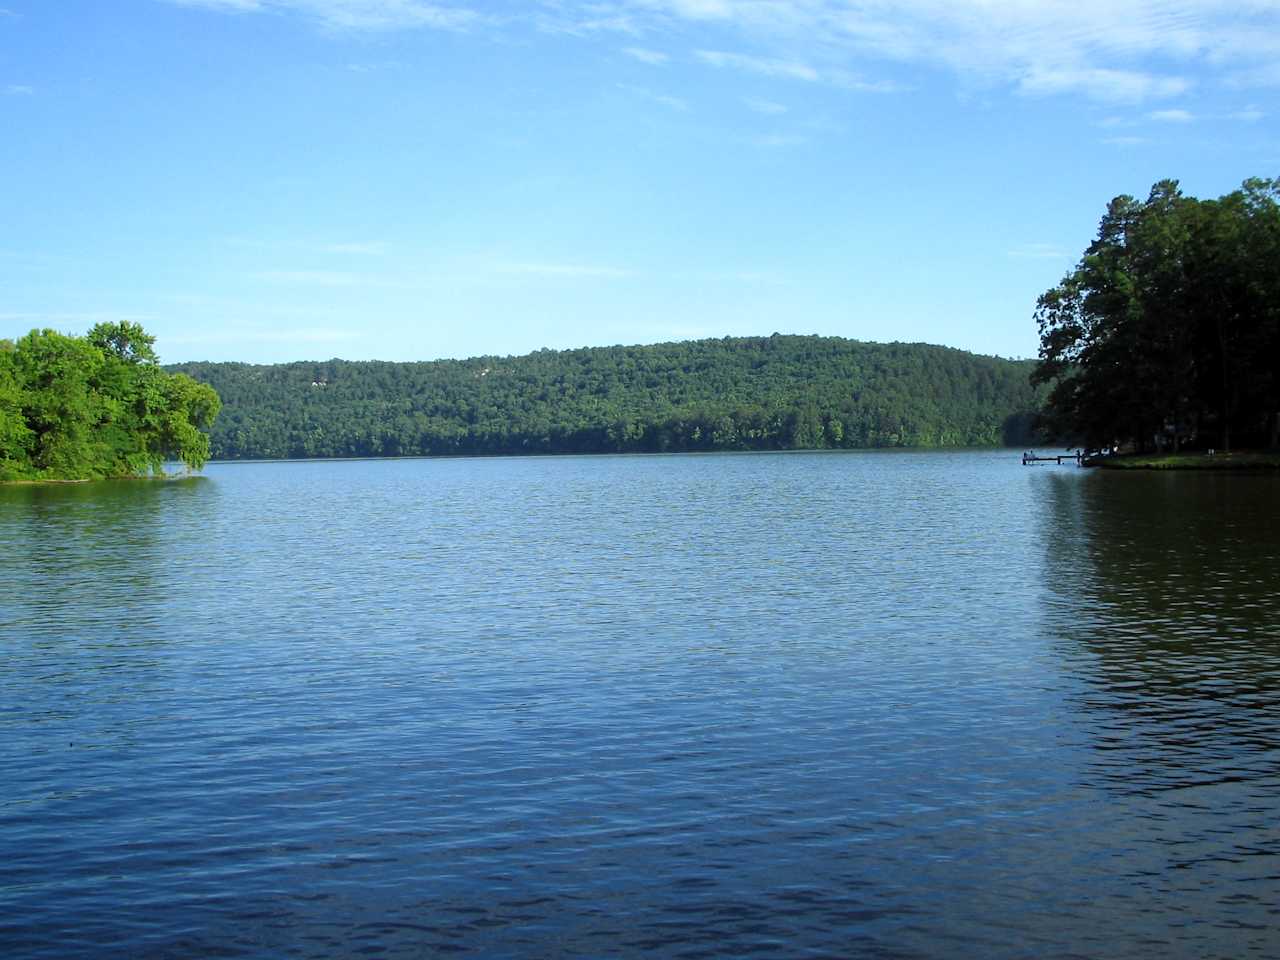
<point x="1077" y="457"/>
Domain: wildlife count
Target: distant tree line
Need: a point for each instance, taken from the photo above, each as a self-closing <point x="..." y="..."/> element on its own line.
<point x="78" y="408"/>
<point x="772" y="393"/>
<point x="1166" y="332"/>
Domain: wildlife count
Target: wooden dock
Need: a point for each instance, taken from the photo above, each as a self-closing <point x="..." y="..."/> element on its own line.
<point x="1028" y="458"/>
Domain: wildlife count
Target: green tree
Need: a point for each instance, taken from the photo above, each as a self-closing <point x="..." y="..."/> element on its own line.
<point x="15" y="436"/>
<point x="1167" y="327"/>
<point x="97" y="406"/>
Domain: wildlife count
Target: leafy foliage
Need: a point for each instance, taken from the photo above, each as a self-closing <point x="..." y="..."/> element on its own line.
<point x="97" y="406"/>
<point x="779" y="392"/>
<point x="1166" y="331"/>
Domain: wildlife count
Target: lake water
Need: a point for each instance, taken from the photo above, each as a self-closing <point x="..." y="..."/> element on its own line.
<point x="846" y="705"/>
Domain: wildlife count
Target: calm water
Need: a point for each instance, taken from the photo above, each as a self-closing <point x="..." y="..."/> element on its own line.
<point x="858" y="705"/>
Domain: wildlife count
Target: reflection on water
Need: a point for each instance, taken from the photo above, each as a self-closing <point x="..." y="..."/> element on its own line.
<point x="1172" y="586"/>
<point x="90" y="559"/>
<point x="817" y="705"/>
<point x="1165" y="602"/>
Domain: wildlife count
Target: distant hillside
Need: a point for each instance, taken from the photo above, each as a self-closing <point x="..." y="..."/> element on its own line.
<point x="746" y="393"/>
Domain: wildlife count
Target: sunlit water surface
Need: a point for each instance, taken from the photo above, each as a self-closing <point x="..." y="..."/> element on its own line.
<point x="845" y="705"/>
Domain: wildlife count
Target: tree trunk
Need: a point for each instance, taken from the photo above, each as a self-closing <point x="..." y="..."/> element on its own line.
<point x="1226" y="392"/>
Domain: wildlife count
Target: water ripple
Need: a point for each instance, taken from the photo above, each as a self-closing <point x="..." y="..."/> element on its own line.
<point x="896" y="706"/>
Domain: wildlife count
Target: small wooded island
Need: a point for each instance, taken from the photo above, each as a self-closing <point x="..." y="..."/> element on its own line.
<point x="97" y="406"/>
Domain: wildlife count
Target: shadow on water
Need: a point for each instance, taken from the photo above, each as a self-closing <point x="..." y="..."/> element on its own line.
<point x="1164" y="595"/>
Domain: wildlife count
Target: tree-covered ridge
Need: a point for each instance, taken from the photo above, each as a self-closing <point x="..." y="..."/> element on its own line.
<point x="1167" y="332"/>
<point x="83" y="408"/>
<point x="772" y="393"/>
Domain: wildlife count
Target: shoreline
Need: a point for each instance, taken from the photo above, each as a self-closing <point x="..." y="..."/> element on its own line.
<point x="46" y="481"/>
<point x="1243" y="460"/>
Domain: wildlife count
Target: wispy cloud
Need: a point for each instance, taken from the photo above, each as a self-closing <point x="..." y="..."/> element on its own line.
<point x="1135" y="52"/>
<point x="365" y="248"/>
<point x="1267" y="75"/>
<point x="1171" y="116"/>
<point x="1100" y="83"/>
<point x="311" y="278"/>
<point x="566" y="270"/>
<point x="779" y="140"/>
<point x="666" y="100"/>
<point x="356" y="14"/>
<point x="375" y="249"/>
<point x="767" y="107"/>
<point x="242" y="5"/>
<point x="654" y="58"/>
<point x="1249" y="114"/>
<point x="377" y="66"/>
<point x="764" y="66"/>
<point x="791" y="69"/>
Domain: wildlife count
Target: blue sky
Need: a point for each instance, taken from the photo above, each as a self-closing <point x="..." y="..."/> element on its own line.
<point x="270" y="180"/>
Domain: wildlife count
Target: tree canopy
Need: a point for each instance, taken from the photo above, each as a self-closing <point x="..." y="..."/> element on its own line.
<point x="1166" y="331"/>
<point x="743" y="393"/>
<point x="97" y="406"/>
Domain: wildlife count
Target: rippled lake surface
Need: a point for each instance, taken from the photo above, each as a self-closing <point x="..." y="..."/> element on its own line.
<point x="845" y="705"/>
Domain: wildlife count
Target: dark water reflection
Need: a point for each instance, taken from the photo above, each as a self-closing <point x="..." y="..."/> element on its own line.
<point x="828" y="705"/>
<point x="1171" y="586"/>
<point x="1164" y="598"/>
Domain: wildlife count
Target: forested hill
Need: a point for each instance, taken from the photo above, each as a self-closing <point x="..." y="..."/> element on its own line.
<point x="779" y="392"/>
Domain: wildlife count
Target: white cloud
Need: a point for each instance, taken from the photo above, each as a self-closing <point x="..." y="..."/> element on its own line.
<point x="779" y="140"/>
<point x="311" y="278"/>
<point x="379" y="66"/>
<point x="705" y="9"/>
<point x="1171" y="116"/>
<point x="767" y="107"/>
<point x="852" y="81"/>
<point x="309" y="246"/>
<point x="790" y="69"/>
<point x="1267" y="75"/>
<point x="1098" y="83"/>
<point x="1249" y="114"/>
<point x="566" y="270"/>
<point x="356" y="14"/>
<point x="673" y="103"/>
<point x="360" y="249"/>
<point x="654" y="58"/>
<point x="764" y="66"/>
<point x="1131" y="52"/>
<point x="220" y="4"/>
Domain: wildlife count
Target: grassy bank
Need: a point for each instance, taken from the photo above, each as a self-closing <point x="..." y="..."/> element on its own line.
<point x="1240" y="460"/>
